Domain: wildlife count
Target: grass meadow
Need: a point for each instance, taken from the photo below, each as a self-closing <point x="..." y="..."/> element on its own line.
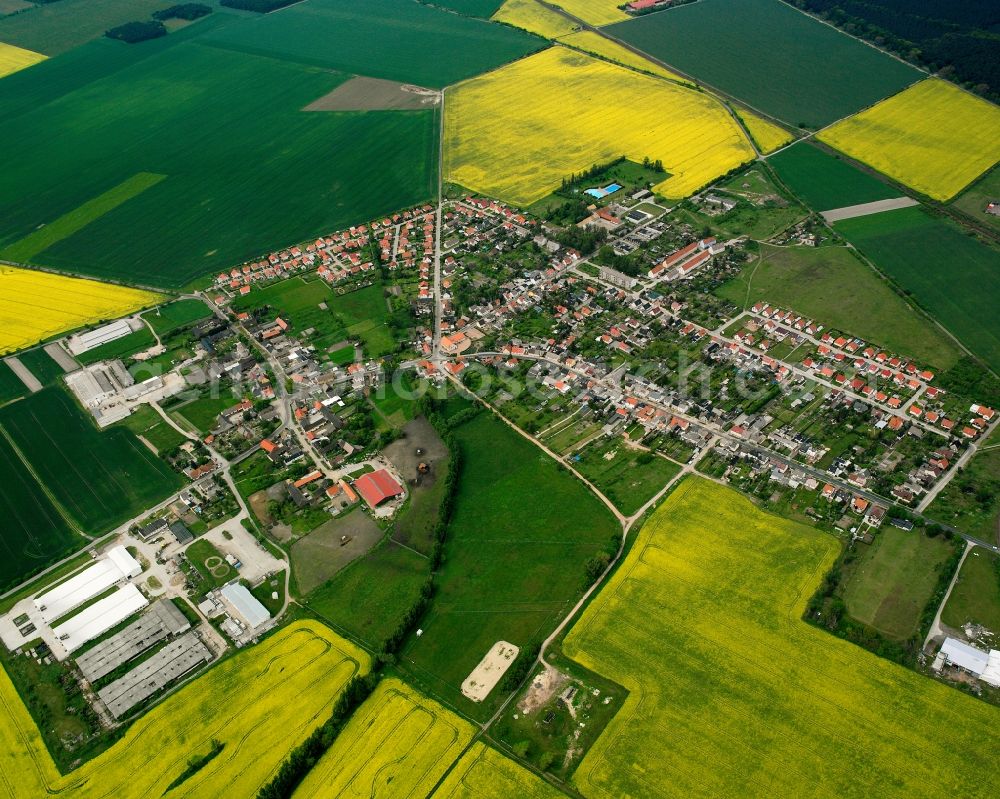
<point x="34" y="533"/>
<point x="894" y="578"/>
<point x="628" y="477"/>
<point x="512" y="565"/>
<point x="101" y="478"/>
<point x="971" y="500"/>
<point x="976" y="595"/>
<point x="973" y="201"/>
<point x="88" y="124"/>
<point x="392" y="39"/>
<point x="834" y="287"/>
<point x="517" y="132"/>
<point x="259" y="704"/>
<point x="824" y="181"/>
<point x="771" y="57"/>
<point x="731" y="692"/>
<point x="174" y="315"/>
<point x="934" y="137"/>
<point x="945" y="270"/>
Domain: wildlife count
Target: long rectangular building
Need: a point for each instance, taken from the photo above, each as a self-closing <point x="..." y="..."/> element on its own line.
<point x="100" y="617"/>
<point x="169" y="664"/>
<point x="162" y="621"/>
<point x="116" y="565"/>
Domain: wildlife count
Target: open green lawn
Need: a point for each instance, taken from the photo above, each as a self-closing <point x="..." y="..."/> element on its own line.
<point x="33" y="534"/>
<point x="732" y="694"/>
<point x="825" y="181"/>
<point x="770" y="56"/>
<point x="976" y="595"/>
<point x="87" y="123"/>
<point x="210" y="563"/>
<point x="41" y="365"/>
<point x="102" y="478"/>
<point x="11" y="386"/>
<point x="513" y="563"/>
<point x="357" y="313"/>
<point x="369" y="597"/>
<point x="975" y="199"/>
<point x="136" y="341"/>
<point x="949" y="272"/>
<point x="202" y="413"/>
<point x="393" y="39"/>
<point x="629" y="477"/>
<point x="893" y="579"/>
<point x="175" y="315"/>
<point x="146" y="422"/>
<point x="834" y="287"/>
<point x="971" y="501"/>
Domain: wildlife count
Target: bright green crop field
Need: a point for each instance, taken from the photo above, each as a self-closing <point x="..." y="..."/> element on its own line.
<point x="513" y="565"/>
<point x="175" y="315"/>
<point x="34" y="534"/>
<point x="825" y="182"/>
<point x="210" y="120"/>
<point x="732" y="694"/>
<point x="771" y="56"/>
<point x="11" y="386"/>
<point x="949" y="272"/>
<point x="102" y="478"/>
<point x="392" y="39"/>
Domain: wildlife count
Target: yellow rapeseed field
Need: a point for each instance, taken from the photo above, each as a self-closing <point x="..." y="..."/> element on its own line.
<point x="592" y="42"/>
<point x="594" y="12"/>
<point x="516" y="132"/>
<point x="933" y="137"/>
<point x="732" y="694"/>
<point x="14" y="59"/>
<point x="260" y="704"/>
<point x="533" y="16"/>
<point x="37" y="305"/>
<point x="398" y="744"/>
<point x="484" y="773"/>
<point x="769" y="137"/>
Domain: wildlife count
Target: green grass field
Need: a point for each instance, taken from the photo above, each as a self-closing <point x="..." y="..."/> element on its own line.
<point x="976" y="595"/>
<point x="11" y="386"/>
<point x="513" y="565"/>
<point x="630" y="478"/>
<point x="974" y="200"/>
<point x="824" y="181"/>
<point x="209" y="563"/>
<point x="971" y="501"/>
<point x="34" y="534"/>
<point x="87" y="123"/>
<point x="41" y="365"/>
<point x="136" y="341"/>
<point x="947" y="271"/>
<point x="358" y="313"/>
<point x="393" y="39"/>
<point x="835" y="288"/>
<point x="175" y="315"/>
<point x="102" y="478"/>
<point x="370" y="596"/>
<point x="203" y="412"/>
<point x="732" y="694"/>
<point x="146" y="422"/>
<point x="771" y="57"/>
<point x="893" y="579"/>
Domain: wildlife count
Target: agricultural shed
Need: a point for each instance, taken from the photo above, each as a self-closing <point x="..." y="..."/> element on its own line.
<point x="245" y="604"/>
<point x="377" y="487"/>
<point x="100" y="617"/>
<point x="117" y="565"/>
<point x="966" y="657"/>
<point x="84" y="342"/>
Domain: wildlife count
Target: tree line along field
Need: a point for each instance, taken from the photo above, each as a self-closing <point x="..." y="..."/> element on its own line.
<point x="517" y="132"/>
<point x="35" y="306"/>
<point x="512" y="565"/>
<point x="72" y="139"/>
<point x="34" y="533"/>
<point x="260" y="704"/>
<point x="825" y="181"/>
<point x="595" y="44"/>
<point x="934" y="137"/>
<point x="483" y="9"/>
<point x="833" y="286"/>
<point x="594" y="12"/>
<point x="484" y="773"/>
<point x="771" y="57"/>
<point x="392" y="39"/>
<point x="101" y="478"/>
<point x="973" y="201"/>
<point x="947" y="271"/>
<point x="730" y="691"/>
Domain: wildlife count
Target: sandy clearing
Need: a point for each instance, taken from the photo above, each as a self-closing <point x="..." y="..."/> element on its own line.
<point x="491" y="668"/>
<point x="375" y="94"/>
